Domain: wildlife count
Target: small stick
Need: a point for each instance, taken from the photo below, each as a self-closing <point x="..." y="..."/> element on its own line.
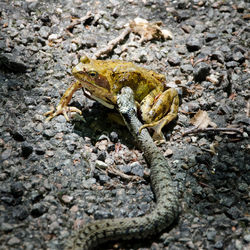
<point x="111" y="45"/>
<point x="198" y="130"/>
<point x="114" y="171"/>
<point x="78" y="21"/>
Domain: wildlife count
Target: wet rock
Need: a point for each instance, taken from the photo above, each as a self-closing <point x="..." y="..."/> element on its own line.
<point x="201" y="71"/>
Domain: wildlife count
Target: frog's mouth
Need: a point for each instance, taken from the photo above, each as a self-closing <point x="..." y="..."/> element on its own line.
<point x="104" y="103"/>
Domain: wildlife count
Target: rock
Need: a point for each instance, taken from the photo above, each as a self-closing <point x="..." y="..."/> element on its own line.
<point x="6" y="227"/>
<point x="38" y="209"/>
<point x="234" y="213"/>
<point x="219" y="245"/>
<point x="247" y="238"/>
<point x="6" y="154"/>
<point x="99" y="214"/>
<point x="18" y="136"/>
<point x="187" y="68"/>
<point x="48" y="133"/>
<point x="211" y="234"/>
<point x="241" y="6"/>
<point x="17" y="189"/>
<point x="201" y="71"/>
<point x="210" y="37"/>
<point x="12" y="63"/>
<point x="218" y="56"/>
<point x="44" y="32"/>
<point x="137" y="169"/>
<point x="67" y="199"/>
<point x="13" y="241"/>
<point x="114" y="137"/>
<point x="174" y="59"/>
<point x="26" y="150"/>
<point x="21" y="213"/>
<point x="104" y="178"/>
<point x="238" y="57"/>
<point x="232" y="64"/>
<point x="193" y="44"/>
<point x="101" y="156"/>
<point x="124" y="168"/>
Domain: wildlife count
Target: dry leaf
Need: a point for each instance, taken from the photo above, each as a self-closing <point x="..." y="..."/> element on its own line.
<point x="201" y="120"/>
<point x="148" y="31"/>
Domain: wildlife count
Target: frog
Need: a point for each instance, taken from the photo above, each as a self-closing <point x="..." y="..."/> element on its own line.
<point x="102" y="80"/>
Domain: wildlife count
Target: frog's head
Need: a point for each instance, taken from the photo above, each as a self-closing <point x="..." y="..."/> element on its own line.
<point x="93" y="75"/>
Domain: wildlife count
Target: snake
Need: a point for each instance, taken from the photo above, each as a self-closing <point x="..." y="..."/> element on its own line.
<point x="167" y="206"/>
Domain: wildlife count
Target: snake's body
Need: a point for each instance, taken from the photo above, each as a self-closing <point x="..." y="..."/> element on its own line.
<point x="166" y="211"/>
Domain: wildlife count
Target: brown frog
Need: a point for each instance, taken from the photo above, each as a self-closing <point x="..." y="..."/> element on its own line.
<point x="103" y="80"/>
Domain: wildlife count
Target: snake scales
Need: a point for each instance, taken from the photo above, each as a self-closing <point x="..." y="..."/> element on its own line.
<point x="166" y="211"/>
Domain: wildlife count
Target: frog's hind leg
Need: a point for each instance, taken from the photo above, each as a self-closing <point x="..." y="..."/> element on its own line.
<point x="162" y="112"/>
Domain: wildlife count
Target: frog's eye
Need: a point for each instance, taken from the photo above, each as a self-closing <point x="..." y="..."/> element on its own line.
<point x="93" y="73"/>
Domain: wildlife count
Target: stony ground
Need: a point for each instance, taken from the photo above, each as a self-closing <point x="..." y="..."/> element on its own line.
<point x="56" y="176"/>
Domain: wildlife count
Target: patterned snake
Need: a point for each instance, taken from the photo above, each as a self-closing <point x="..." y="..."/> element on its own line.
<point x="167" y="208"/>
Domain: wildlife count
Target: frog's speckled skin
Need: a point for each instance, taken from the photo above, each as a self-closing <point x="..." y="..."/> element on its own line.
<point x="167" y="207"/>
<point x="103" y="80"/>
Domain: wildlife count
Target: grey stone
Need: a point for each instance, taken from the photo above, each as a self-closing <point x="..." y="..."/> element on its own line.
<point x="201" y="71"/>
<point x="193" y="44"/>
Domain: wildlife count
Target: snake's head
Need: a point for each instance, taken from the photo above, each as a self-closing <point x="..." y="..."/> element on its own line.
<point x="126" y="101"/>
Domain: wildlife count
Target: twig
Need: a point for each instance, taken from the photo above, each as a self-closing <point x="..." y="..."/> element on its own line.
<point x="78" y="21"/>
<point x="111" y="45"/>
<point x="115" y="171"/>
<point x="198" y="130"/>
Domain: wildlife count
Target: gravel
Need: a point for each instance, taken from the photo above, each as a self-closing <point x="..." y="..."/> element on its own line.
<point x="52" y="174"/>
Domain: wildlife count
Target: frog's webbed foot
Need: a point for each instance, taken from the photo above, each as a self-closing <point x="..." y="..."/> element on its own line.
<point x="61" y="110"/>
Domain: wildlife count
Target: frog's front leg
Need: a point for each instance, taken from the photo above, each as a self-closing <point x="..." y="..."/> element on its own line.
<point x="158" y="109"/>
<point x="63" y="108"/>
